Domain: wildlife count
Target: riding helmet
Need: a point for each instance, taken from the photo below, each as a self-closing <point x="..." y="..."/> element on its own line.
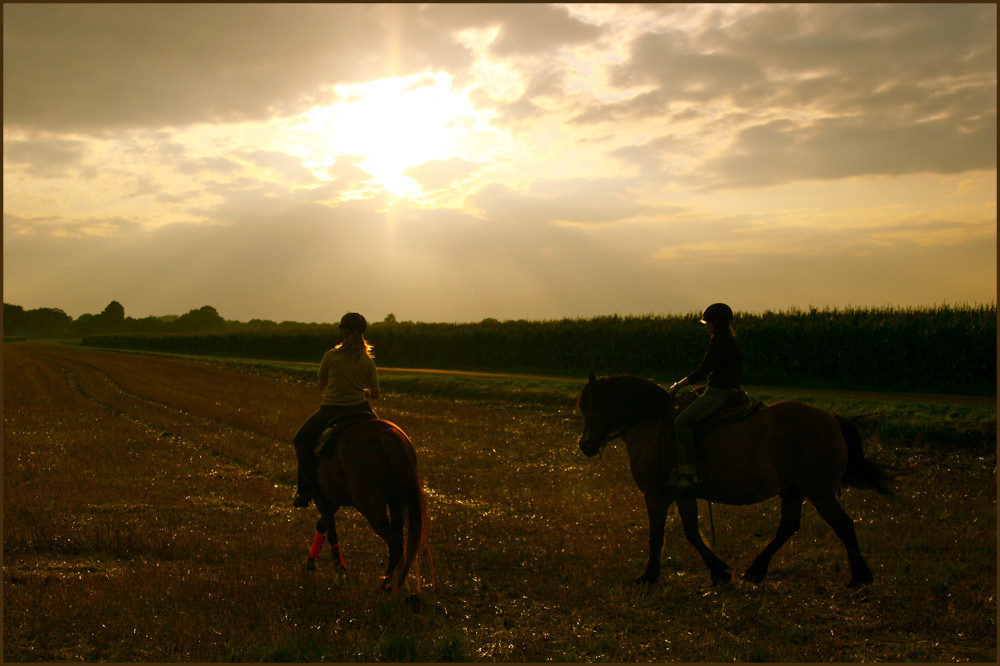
<point x="717" y="312"/>
<point x="352" y="321"/>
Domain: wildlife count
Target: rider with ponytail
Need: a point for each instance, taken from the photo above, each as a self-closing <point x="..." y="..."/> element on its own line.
<point x="347" y="380"/>
<point x="722" y="365"/>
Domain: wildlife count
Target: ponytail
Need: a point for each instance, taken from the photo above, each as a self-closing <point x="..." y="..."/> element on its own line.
<point x="354" y="344"/>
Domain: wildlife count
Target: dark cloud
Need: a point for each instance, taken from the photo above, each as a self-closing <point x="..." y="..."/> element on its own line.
<point x="524" y="28"/>
<point x="97" y="67"/>
<point x="897" y="89"/>
<point x="785" y="151"/>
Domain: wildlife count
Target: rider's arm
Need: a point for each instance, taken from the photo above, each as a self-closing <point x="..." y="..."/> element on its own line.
<point x="373" y="391"/>
<point x="324" y="372"/>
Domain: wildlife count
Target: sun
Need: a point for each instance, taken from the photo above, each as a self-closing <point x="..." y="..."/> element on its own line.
<point x="393" y="124"/>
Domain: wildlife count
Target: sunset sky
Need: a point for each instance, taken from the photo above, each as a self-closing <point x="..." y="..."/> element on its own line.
<point x="456" y="162"/>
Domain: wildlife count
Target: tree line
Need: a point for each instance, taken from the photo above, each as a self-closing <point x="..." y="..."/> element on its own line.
<point x="55" y="323"/>
<point x="938" y="350"/>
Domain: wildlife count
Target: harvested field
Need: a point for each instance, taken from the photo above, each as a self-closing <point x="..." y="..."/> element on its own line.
<point x="147" y="517"/>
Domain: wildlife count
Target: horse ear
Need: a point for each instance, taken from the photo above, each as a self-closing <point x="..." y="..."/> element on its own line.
<point x="592" y="378"/>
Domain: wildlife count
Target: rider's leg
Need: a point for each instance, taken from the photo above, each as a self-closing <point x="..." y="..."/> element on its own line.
<point x="305" y="441"/>
<point x="687" y="454"/>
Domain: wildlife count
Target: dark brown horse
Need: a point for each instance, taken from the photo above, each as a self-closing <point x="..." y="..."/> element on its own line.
<point x="374" y="469"/>
<point x="789" y="448"/>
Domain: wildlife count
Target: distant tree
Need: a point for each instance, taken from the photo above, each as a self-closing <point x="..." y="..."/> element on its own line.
<point x="390" y="319"/>
<point x="205" y="318"/>
<point x="146" y="325"/>
<point x="13" y="320"/>
<point x="114" y="312"/>
<point x="84" y="324"/>
<point x="48" y="323"/>
<point x="112" y="319"/>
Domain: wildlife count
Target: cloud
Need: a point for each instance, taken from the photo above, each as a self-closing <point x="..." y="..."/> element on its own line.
<point x="582" y="201"/>
<point x="438" y="174"/>
<point x="287" y="166"/>
<point x="57" y="227"/>
<point x="899" y="92"/>
<point x="524" y="28"/>
<point x="49" y="157"/>
<point x="203" y="165"/>
<point x="784" y="151"/>
<point x="92" y="67"/>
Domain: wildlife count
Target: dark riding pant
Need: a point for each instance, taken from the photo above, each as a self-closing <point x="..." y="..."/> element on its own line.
<point x="305" y="442"/>
<point x="706" y="404"/>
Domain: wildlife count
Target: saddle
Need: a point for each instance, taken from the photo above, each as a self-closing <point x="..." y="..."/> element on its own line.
<point x="737" y="408"/>
<point x="326" y="445"/>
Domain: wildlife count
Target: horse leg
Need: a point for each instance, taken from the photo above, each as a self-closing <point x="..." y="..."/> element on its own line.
<point x="390" y="530"/>
<point x="834" y="514"/>
<point x="326" y="527"/>
<point x="656" y="510"/>
<point x="335" y="550"/>
<point x="688" y="508"/>
<point x="791" y="518"/>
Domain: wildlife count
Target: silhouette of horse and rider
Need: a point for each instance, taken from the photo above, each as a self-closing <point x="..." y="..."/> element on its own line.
<point x="712" y="443"/>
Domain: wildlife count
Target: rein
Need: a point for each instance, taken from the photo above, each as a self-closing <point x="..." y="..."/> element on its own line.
<point x="613" y="435"/>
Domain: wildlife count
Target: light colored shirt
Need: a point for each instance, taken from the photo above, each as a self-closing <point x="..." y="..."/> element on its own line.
<point x="344" y="380"/>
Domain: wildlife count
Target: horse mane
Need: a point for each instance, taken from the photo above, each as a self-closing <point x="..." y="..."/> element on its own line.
<point x="634" y="399"/>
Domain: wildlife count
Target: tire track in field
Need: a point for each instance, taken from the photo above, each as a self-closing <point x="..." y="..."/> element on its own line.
<point x="198" y="433"/>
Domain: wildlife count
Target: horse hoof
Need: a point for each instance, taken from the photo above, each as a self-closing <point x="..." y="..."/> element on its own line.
<point x="414" y="603"/>
<point x="721" y="578"/>
<point x="310" y="565"/>
<point x="752" y="576"/>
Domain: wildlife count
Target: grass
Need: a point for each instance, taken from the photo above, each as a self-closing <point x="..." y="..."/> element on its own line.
<point x="147" y="518"/>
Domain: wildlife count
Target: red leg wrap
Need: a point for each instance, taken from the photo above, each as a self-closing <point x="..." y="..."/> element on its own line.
<point x="317" y="545"/>
<point x="340" y="555"/>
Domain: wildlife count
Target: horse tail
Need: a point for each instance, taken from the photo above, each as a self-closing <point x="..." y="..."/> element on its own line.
<point x="402" y="462"/>
<point x="862" y="472"/>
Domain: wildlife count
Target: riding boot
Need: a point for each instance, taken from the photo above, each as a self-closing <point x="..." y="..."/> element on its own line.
<point x="307" y="481"/>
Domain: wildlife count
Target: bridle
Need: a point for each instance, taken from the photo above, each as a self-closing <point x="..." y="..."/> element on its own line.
<point x="615" y="433"/>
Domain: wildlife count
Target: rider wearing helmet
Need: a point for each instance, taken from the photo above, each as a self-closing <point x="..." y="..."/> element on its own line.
<point x="722" y="366"/>
<point x="347" y="380"/>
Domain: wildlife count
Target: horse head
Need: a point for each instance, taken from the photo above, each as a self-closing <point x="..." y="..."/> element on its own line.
<point x="612" y="405"/>
<point x="596" y="432"/>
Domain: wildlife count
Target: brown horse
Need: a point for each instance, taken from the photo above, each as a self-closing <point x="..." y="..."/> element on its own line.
<point x="374" y="469"/>
<point x="789" y="448"/>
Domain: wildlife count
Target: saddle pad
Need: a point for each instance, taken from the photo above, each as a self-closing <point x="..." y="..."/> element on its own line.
<point x="327" y="442"/>
<point x="743" y="408"/>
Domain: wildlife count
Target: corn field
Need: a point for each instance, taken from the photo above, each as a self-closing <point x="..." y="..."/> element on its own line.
<point x="947" y="349"/>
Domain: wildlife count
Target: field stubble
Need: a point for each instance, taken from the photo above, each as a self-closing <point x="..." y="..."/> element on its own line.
<point x="147" y="518"/>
